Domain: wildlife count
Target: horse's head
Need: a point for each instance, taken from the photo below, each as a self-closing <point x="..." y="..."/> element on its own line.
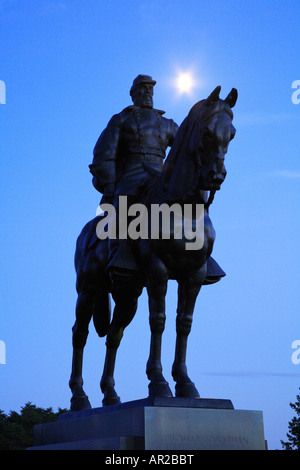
<point x="210" y="137"/>
<point x="196" y="159"/>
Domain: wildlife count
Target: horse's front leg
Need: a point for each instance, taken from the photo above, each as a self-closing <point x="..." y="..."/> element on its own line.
<point x="187" y="295"/>
<point x="157" y="288"/>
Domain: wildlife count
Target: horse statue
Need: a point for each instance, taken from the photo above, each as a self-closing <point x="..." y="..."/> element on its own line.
<point x="193" y="171"/>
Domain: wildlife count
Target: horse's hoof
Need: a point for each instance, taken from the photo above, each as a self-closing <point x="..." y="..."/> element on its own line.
<point x="111" y="401"/>
<point x="186" y="390"/>
<point x="80" y="403"/>
<point x="159" y="389"/>
<point x="110" y="398"/>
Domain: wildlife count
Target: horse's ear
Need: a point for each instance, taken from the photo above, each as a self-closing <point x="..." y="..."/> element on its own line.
<point x="232" y="97"/>
<point x="214" y="96"/>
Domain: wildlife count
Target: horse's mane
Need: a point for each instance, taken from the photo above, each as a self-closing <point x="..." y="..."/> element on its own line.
<point x="191" y="130"/>
<point x="180" y="144"/>
<point x="181" y="141"/>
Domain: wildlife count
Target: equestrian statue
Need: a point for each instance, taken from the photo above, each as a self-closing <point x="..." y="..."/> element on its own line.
<point x="129" y="163"/>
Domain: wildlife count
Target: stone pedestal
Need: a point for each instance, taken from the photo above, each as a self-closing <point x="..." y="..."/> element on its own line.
<point x="156" y="424"/>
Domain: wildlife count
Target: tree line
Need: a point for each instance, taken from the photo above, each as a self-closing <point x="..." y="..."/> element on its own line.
<point x="16" y="429"/>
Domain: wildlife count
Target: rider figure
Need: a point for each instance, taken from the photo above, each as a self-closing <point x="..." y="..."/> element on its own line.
<point x="128" y="153"/>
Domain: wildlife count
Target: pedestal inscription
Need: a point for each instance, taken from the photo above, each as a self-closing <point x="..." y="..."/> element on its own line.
<point x="203" y="429"/>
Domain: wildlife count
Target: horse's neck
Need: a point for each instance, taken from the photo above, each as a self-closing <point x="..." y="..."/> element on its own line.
<point x="175" y="178"/>
<point x="179" y="179"/>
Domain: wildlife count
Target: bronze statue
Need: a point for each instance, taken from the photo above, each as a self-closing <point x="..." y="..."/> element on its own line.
<point x="193" y="171"/>
<point x="128" y="153"/>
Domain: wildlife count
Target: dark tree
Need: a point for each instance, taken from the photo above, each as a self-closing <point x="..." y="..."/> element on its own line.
<point x="16" y="429"/>
<point x="293" y="442"/>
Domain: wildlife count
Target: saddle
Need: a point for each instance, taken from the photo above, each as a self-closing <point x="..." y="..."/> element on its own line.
<point x="124" y="259"/>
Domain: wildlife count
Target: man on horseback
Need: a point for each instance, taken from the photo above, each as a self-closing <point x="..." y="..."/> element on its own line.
<point x="127" y="155"/>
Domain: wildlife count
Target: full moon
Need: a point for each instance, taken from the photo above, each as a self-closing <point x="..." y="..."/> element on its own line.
<point x="185" y="82"/>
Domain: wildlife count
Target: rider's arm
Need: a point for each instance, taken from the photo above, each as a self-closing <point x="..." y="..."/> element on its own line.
<point x="103" y="167"/>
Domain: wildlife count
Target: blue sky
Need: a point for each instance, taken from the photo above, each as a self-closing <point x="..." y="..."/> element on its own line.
<point x="68" y="67"/>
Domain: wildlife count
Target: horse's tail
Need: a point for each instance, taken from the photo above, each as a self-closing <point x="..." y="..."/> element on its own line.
<point x="102" y="314"/>
<point x="92" y="283"/>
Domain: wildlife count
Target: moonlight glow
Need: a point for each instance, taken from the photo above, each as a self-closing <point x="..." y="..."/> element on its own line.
<point x="185" y="82"/>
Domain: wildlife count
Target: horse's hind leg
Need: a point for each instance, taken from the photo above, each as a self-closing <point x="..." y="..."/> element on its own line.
<point x="84" y="309"/>
<point x="125" y="293"/>
<point x="121" y="318"/>
<point x="187" y="295"/>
